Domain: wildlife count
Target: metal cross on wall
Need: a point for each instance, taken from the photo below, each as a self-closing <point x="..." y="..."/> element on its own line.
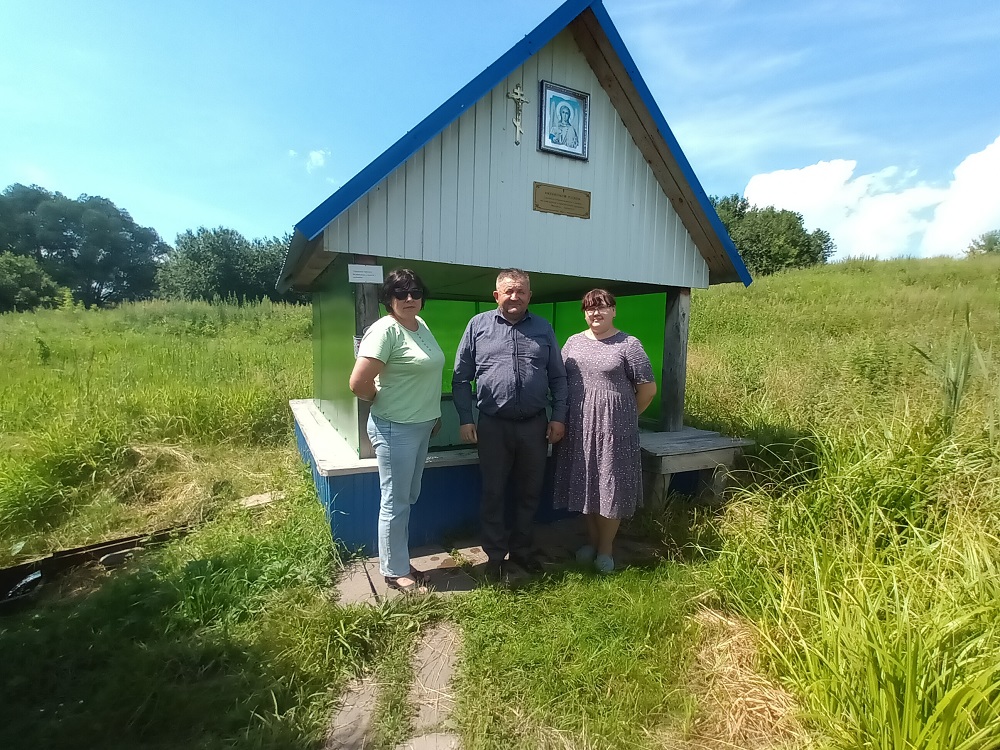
<point x="519" y="101"/>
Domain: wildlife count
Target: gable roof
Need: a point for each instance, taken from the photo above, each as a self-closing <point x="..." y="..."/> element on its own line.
<point x="608" y="56"/>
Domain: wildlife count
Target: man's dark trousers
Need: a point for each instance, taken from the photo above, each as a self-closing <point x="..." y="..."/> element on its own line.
<point x="508" y="447"/>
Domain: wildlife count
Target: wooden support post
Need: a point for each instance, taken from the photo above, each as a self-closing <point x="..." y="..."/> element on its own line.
<point x="366" y="312"/>
<point x="675" y="343"/>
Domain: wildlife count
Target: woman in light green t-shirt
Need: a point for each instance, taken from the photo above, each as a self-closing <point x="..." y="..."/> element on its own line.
<point x="398" y="369"/>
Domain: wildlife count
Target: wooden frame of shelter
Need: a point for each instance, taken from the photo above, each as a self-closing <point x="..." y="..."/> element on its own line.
<point x="467" y="192"/>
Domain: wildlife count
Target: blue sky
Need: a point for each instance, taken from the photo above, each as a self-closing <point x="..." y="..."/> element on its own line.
<point x="879" y="121"/>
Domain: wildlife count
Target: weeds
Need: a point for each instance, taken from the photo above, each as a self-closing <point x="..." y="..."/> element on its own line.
<point x="860" y="540"/>
<point x="89" y="395"/>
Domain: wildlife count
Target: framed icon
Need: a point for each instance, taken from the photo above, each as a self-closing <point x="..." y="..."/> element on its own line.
<point x="563" y="121"/>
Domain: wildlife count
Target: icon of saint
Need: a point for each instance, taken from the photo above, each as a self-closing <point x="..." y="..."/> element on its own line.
<point x="563" y="133"/>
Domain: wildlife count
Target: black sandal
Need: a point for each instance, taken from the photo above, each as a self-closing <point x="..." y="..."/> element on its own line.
<point x="408" y="589"/>
<point x="420" y="576"/>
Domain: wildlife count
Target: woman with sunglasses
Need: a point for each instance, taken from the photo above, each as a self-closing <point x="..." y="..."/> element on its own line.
<point x="611" y="383"/>
<point x="398" y="369"/>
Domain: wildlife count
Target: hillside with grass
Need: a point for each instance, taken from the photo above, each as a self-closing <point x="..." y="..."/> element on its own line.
<point x="856" y="557"/>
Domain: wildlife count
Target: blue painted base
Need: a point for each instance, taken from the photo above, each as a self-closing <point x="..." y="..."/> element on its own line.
<point x="448" y="504"/>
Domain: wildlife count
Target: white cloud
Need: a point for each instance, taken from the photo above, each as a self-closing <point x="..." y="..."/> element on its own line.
<point x="316" y="159"/>
<point x="888" y="213"/>
<point x="293" y="153"/>
<point x="971" y="206"/>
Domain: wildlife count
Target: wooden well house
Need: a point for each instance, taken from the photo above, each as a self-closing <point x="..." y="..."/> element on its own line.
<point x="557" y="160"/>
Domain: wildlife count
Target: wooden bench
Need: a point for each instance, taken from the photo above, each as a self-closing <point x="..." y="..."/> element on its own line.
<point x="664" y="454"/>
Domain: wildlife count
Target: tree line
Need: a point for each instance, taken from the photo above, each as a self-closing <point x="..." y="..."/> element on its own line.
<point x="88" y="250"/>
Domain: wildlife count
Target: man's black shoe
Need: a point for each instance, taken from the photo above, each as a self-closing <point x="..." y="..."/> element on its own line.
<point x="494" y="572"/>
<point x="529" y="565"/>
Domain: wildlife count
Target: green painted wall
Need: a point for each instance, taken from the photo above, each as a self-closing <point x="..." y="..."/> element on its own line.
<point x="333" y="351"/>
<point x="333" y="344"/>
<point x="639" y="315"/>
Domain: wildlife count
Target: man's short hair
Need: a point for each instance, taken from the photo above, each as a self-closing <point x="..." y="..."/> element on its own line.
<point x="514" y="274"/>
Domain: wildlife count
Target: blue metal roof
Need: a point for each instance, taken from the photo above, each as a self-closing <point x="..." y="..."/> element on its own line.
<point x="313" y="225"/>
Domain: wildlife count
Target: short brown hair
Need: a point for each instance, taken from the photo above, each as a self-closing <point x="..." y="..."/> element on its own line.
<point x="597" y="298"/>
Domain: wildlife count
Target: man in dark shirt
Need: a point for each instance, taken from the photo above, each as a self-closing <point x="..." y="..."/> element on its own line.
<point x="514" y="358"/>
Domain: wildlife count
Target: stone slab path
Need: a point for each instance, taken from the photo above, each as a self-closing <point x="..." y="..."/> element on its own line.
<point x="431" y="699"/>
<point x="457" y="571"/>
<point x="450" y="573"/>
<point x="362" y="583"/>
<point x="351" y="726"/>
<point x="431" y="695"/>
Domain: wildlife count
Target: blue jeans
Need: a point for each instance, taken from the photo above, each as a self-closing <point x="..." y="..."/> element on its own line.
<point x="400" y="450"/>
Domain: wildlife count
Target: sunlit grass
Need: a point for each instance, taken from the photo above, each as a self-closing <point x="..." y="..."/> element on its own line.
<point x="226" y="637"/>
<point x="860" y="541"/>
<point x="589" y="661"/>
<point x="114" y="417"/>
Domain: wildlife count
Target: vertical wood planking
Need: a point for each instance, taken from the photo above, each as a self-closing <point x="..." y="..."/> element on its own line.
<point x="377" y="219"/>
<point x="449" y="193"/>
<point x="482" y="184"/>
<point x="366" y="312"/>
<point x="466" y="177"/>
<point x="498" y="134"/>
<point x="466" y="197"/>
<point x="357" y="227"/>
<point x="432" y="200"/>
<point x="675" y="341"/>
<point x="522" y="185"/>
<point x="413" y="240"/>
<point x="396" y="213"/>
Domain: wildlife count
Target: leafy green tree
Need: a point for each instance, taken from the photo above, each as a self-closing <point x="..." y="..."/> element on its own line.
<point x="24" y="285"/>
<point x="986" y="243"/>
<point x="770" y="239"/>
<point x="222" y="263"/>
<point x="88" y="245"/>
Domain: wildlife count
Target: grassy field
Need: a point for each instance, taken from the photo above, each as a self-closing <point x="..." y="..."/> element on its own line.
<point x="858" y="549"/>
<point x="152" y="413"/>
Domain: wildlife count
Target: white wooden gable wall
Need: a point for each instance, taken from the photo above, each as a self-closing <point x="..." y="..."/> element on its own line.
<point x="480" y="214"/>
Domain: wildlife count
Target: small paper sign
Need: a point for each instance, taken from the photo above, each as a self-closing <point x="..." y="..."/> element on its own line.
<point x="364" y="274"/>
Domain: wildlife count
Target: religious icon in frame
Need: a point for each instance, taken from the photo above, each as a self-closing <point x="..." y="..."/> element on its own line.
<point x="563" y="121"/>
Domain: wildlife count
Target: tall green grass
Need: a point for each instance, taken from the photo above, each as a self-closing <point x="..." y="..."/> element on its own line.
<point x="863" y="541"/>
<point x="860" y="540"/>
<point x="225" y="638"/>
<point x="85" y="393"/>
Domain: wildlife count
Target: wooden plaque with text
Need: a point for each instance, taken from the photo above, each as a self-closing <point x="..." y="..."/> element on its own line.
<point x="554" y="199"/>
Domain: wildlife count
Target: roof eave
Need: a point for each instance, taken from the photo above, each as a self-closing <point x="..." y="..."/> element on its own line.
<point x="727" y="265"/>
<point x="318" y="219"/>
<point x="737" y="269"/>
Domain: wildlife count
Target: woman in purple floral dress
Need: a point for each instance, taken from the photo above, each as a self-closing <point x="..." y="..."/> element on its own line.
<point x="611" y="383"/>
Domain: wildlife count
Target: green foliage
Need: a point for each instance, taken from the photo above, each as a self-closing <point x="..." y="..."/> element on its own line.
<point x="770" y="240"/>
<point x="24" y="285"/>
<point x="583" y="660"/>
<point x="88" y="245"/>
<point x="226" y="638"/>
<point x="221" y="263"/>
<point x="875" y="586"/>
<point x="87" y="395"/>
<point x="861" y="539"/>
<point x="987" y="242"/>
<point x="954" y="373"/>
